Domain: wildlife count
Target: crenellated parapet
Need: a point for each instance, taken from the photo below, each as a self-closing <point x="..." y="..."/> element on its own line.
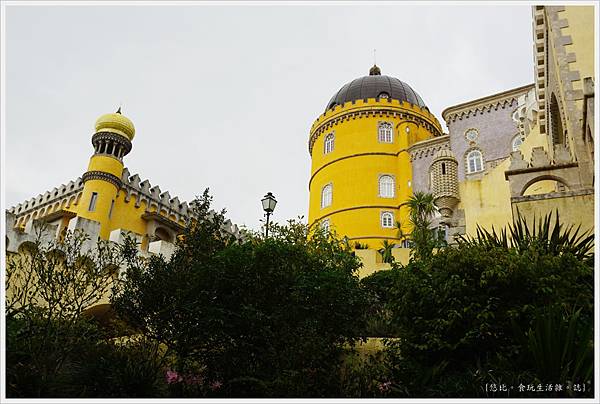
<point x="428" y="148"/>
<point x="161" y="202"/>
<point x="156" y="201"/>
<point x="61" y="197"/>
<point x="373" y="107"/>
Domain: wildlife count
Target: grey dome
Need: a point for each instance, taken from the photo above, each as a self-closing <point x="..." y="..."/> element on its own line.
<point x="373" y="86"/>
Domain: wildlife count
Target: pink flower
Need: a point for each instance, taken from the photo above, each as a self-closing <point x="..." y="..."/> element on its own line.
<point x="215" y="385"/>
<point x="172" y="377"/>
<point x="385" y="387"/>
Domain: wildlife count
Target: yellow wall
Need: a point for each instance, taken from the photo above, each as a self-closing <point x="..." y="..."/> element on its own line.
<point x="581" y="30"/>
<point x="577" y="210"/>
<point x="355" y="165"/>
<point x="486" y="202"/>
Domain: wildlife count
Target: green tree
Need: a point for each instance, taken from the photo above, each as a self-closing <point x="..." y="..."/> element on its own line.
<point x="386" y="252"/>
<point x="421" y="209"/>
<point x="49" y="285"/>
<point x="262" y="317"/>
<point x="493" y="309"/>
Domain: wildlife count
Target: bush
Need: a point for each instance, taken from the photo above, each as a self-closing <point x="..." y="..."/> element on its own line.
<point x="457" y="312"/>
<point x="265" y="317"/>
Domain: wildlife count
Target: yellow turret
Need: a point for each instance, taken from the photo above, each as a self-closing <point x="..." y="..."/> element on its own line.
<point x="111" y="141"/>
<point x="361" y="170"/>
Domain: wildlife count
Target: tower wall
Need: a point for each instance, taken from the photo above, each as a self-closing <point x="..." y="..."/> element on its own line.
<point x="359" y="159"/>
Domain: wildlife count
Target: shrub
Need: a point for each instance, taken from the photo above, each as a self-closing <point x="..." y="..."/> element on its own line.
<point x="457" y="311"/>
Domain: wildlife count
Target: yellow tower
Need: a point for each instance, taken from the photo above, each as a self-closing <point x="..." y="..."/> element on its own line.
<point x="102" y="180"/>
<point x="361" y="169"/>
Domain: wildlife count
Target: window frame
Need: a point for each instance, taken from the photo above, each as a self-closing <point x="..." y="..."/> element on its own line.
<point x="329" y="143"/>
<point x="328" y="186"/>
<point x="514" y="139"/>
<point x="93" y="202"/>
<point x="393" y="186"/>
<point x="382" y="219"/>
<point x="382" y="132"/>
<point x="466" y="134"/>
<point x="325" y="225"/>
<point x="468" y="161"/>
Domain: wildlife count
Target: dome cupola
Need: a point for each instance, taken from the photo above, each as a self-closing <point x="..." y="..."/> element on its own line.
<point x="375" y="85"/>
<point x="116" y="123"/>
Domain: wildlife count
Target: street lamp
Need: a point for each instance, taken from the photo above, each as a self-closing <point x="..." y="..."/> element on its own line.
<point x="268" y="203"/>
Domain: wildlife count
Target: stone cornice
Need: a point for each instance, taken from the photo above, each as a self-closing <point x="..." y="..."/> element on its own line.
<point x="484" y="104"/>
<point x="348" y="111"/>
<point x="429" y="147"/>
<point x="102" y="176"/>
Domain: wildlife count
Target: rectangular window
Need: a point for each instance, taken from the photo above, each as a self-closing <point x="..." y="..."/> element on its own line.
<point x="93" y="200"/>
<point x="112" y="205"/>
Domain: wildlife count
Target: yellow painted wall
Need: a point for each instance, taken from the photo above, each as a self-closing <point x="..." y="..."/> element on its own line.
<point x="581" y="29"/>
<point x="486" y="202"/>
<point x="577" y="210"/>
<point x="355" y="165"/>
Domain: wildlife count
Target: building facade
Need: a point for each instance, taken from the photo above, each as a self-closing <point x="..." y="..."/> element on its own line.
<point x="361" y="175"/>
<point x="525" y="151"/>
<point x="106" y="200"/>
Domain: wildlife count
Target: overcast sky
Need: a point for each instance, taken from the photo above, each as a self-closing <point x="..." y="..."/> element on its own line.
<point x="224" y="96"/>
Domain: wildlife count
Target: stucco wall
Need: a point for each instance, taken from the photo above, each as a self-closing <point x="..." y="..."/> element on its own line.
<point x="574" y="209"/>
<point x="496" y="131"/>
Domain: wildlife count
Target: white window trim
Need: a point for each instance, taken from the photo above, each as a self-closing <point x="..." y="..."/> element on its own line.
<point x="393" y="177"/>
<point x="514" y="139"/>
<point x="381" y="219"/>
<point x="467" y="162"/>
<point x="380" y="125"/>
<point x="323" y="206"/>
<point x="331" y="136"/>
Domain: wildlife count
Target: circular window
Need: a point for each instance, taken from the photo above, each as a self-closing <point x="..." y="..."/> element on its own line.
<point x="383" y="95"/>
<point x="471" y="134"/>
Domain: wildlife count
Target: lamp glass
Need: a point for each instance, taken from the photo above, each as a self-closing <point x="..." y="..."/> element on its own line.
<point x="269" y="202"/>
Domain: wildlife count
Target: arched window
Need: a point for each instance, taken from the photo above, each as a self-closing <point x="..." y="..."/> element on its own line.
<point x="474" y="161"/>
<point x="385" y="132"/>
<point x="517" y="141"/>
<point x="386" y="186"/>
<point x="326" y="196"/>
<point x="387" y="220"/>
<point x="329" y="139"/>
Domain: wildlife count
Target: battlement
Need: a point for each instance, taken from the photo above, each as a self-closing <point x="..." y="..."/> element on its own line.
<point x="64" y="195"/>
<point x="156" y="200"/>
<point x="373" y="107"/>
<point x="377" y="103"/>
<point x="38" y="231"/>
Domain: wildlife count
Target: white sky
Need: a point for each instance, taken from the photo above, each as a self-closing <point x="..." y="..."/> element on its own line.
<point x="224" y="96"/>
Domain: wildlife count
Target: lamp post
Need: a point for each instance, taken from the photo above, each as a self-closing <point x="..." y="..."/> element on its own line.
<point x="268" y="203"/>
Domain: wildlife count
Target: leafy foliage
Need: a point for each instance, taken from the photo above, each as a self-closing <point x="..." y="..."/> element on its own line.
<point x="456" y="314"/>
<point x="386" y="252"/>
<point x="542" y="235"/>
<point x="266" y="316"/>
<point x="49" y="286"/>
<point x="424" y="239"/>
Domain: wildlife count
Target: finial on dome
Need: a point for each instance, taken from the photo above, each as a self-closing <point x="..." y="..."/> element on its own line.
<point x="375" y="71"/>
<point x="118" y="110"/>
